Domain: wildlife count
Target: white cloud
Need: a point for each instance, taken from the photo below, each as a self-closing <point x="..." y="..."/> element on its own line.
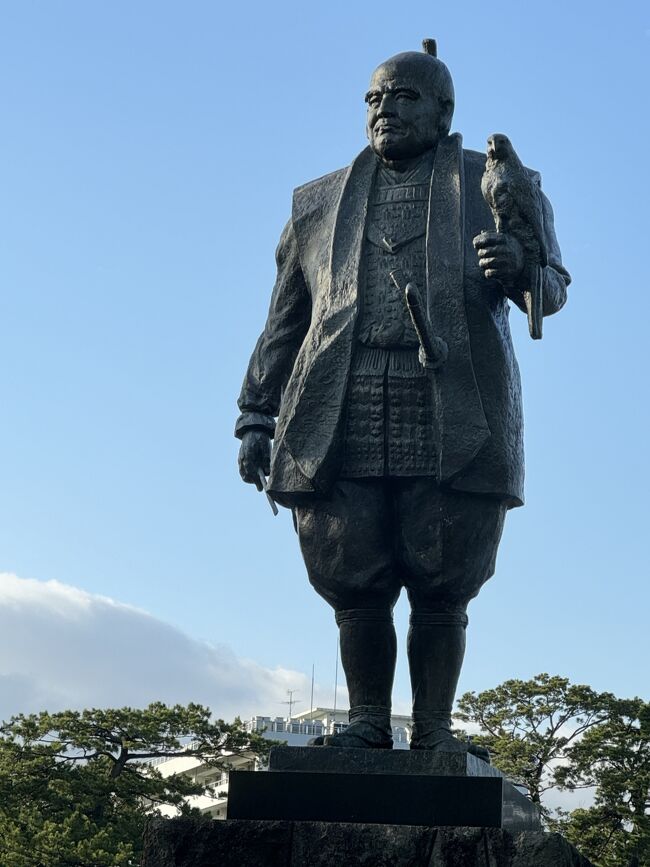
<point x="61" y="647"/>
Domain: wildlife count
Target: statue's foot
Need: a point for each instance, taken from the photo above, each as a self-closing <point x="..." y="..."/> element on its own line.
<point x="358" y="735"/>
<point x="438" y="741"/>
<point x="480" y="752"/>
<point x="445" y="742"/>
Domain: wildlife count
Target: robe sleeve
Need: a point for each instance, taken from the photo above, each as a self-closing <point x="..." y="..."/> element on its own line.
<point x="275" y="352"/>
<point x="555" y="277"/>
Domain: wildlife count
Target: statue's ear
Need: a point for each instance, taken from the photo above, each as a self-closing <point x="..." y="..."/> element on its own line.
<point x="446" y="114"/>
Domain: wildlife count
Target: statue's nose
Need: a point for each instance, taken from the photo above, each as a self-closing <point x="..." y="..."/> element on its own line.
<point x="386" y="107"/>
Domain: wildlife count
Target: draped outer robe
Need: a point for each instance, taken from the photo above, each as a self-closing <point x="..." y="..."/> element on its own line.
<point x="300" y="367"/>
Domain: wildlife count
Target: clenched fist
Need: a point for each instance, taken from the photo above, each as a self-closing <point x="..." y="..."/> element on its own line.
<point x="500" y="256"/>
<point x="255" y="455"/>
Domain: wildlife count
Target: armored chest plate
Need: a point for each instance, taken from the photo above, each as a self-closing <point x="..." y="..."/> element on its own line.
<point x="395" y="238"/>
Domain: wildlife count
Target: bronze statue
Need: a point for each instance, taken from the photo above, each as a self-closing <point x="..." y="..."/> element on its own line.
<point x="388" y="362"/>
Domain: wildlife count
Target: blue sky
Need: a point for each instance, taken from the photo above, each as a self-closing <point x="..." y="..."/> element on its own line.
<point x="149" y="152"/>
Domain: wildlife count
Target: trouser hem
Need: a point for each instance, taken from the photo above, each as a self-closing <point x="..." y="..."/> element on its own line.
<point x="360" y="615"/>
<point x="435" y="618"/>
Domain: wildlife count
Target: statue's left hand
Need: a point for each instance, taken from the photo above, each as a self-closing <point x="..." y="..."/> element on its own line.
<point x="500" y="256"/>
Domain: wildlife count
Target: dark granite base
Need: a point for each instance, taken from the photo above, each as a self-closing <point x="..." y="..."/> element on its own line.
<point x="386" y="787"/>
<point x="335" y="760"/>
<point x="386" y="799"/>
<point x="200" y="843"/>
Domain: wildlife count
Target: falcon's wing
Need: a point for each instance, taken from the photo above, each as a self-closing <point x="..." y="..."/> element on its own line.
<point x="527" y="196"/>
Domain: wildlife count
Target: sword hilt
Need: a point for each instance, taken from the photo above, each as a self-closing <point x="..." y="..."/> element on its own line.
<point x="433" y="350"/>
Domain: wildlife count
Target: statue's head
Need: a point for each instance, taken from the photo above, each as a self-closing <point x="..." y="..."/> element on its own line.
<point x="410" y="104"/>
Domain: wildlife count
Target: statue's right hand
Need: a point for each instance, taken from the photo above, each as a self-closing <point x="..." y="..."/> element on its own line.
<point x="255" y="455"/>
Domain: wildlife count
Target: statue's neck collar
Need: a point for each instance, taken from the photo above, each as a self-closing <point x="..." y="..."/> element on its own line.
<point x="403" y="171"/>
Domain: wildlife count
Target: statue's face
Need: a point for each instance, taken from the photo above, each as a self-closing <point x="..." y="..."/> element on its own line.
<point x="403" y="112"/>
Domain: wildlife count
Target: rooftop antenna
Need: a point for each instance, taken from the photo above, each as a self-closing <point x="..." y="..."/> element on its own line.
<point x="311" y="701"/>
<point x="336" y="675"/>
<point x="291" y="701"/>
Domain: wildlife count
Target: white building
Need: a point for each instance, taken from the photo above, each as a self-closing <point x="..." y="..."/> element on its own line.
<point x="295" y="731"/>
<point x="299" y="730"/>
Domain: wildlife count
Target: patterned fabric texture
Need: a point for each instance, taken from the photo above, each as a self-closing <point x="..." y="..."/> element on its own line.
<point x="389" y="408"/>
<point x="389" y="420"/>
<point x="395" y="239"/>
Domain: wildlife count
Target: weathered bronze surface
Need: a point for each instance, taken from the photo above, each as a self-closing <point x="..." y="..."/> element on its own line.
<point x="386" y="380"/>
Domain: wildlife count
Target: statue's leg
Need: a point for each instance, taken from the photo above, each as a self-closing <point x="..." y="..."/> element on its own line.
<point x="368" y="654"/>
<point x="436" y="647"/>
<point x="347" y="547"/>
<point x="448" y="545"/>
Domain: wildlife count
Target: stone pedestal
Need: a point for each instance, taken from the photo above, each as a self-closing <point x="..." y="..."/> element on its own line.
<point x="387" y="787"/>
<point x="235" y="843"/>
<point x="327" y="807"/>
